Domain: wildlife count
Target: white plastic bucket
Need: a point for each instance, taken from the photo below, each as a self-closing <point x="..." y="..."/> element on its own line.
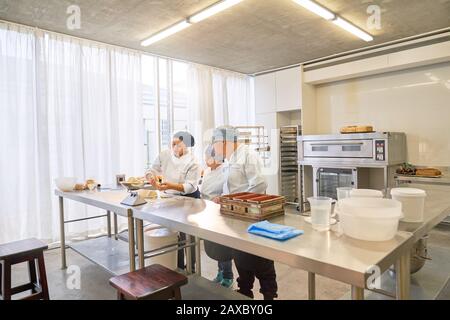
<point x="370" y="219"/>
<point x="156" y="237"/>
<point x="366" y="193"/>
<point x="413" y="203"/>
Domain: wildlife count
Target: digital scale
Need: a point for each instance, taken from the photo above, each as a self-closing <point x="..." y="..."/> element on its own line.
<point x="134" y="199"/>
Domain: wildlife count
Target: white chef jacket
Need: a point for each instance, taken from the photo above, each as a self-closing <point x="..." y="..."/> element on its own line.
<point x="243" y="172"/>
<point x="184" y="170"/>
<point x="212" y="183"/>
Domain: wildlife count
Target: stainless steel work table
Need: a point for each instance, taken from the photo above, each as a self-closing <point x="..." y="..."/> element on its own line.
<point x="325" y="253"/>
<point x="101" y="250"/>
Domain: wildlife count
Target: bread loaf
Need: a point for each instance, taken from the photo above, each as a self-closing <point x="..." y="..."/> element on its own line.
<point x="428" y="172"/>
<point x="348" y="129"/>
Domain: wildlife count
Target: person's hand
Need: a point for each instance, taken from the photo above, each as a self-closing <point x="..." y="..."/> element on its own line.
<point x="150" y="178"/>
<point x="216" y="200"/>
<point x="165" y="186"/>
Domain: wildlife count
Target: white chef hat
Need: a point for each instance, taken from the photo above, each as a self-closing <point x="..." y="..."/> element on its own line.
<point x="225" y="133"/>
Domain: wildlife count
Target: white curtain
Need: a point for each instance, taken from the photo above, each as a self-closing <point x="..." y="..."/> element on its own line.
<point x="68" y="108"/>
<point x="217" y="97"/>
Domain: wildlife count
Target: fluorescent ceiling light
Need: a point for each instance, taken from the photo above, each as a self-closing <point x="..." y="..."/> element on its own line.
<point x="212" y="10"/>
<point x="317" y="9"/>
<point x="166" y="33"/>
<point x="352" y="29"/>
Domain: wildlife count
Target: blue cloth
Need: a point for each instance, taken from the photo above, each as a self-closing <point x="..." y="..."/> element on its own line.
<point x="273" y="231"/>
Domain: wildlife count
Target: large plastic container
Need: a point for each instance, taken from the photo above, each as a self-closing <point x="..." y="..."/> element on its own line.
<point x="155" y="237"/>
<point x="413" y="202"/>
<point x="370" y="219"/>
<point x="366" y="193"/>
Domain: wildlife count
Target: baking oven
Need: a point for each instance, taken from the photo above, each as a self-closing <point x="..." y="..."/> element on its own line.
<point x="360" y="160"/>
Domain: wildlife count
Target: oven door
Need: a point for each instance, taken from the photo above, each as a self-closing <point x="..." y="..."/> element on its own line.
<point x="327" y="180"/>
<point x="338" y="149"/>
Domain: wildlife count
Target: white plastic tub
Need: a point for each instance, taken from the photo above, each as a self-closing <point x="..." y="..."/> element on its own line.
<point x="413" y="202"/>
<point x="156" y="236"/>
<point x="366" y="193"/>
<point x="370" y="219"/>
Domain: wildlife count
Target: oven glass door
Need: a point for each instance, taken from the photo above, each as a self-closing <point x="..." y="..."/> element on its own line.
<point x="330" y="179"/>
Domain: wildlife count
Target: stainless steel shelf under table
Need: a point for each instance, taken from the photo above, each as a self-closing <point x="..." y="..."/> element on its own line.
<point x="109" y="200"/>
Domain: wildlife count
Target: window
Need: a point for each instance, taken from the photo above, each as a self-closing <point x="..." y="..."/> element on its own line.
<point x="180" y="103"/>
<point x="165" y="102"/>
<point x="151" y="146"/>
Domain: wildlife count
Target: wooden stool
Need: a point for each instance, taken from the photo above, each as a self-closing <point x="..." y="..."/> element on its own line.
<point x="29" y="251"/>
<point x="154" y="282"/>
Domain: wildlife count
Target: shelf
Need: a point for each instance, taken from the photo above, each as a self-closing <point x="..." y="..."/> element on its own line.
<point x="112" y="255"/>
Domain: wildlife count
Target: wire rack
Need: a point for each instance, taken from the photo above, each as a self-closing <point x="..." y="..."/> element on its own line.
<point x="290" y="172"/>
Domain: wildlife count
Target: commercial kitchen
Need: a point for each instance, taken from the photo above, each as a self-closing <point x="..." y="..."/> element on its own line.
<point x="225" y="150"/>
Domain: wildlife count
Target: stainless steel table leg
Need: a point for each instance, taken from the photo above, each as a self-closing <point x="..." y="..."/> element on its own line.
<point x="116" y="228"/>
<point x="131" y="245"/>
<point x="140" y="241"/>
<point x="108" y="223"/>
<point x="403" y="276"/>
<point x="188" y="255"/>
<point x="198" y="265"/>
<point x="311" y="286"/>
<point x="357" y="293"/>
<point x="62" y="233"/>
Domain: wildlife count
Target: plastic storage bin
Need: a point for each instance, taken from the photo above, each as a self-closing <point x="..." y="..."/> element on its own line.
<point x="370" y="219"/>
<point x="413" y="202"/>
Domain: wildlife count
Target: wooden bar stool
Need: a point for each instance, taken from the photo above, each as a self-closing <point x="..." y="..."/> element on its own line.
<point x="154" y="282"/>
<point x="29" y="251"/>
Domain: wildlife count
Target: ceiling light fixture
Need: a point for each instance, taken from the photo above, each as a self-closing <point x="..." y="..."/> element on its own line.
<point x="212" y="10"/>
<point x="352" y="29"/>
<point x="316" y="8"/>
<point x="166" y="33"/>
<point x="330" y="16"/>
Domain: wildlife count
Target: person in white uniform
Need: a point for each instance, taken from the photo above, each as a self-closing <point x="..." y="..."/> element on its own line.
<point x="178" y="167"/>
<point x="178" y="172"/>
<point x="243" y="173"/>
<point x="210" y="188"/>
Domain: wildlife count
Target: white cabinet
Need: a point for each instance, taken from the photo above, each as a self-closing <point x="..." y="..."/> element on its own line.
<point x="288" y="89"/>
<point x="265" y="93"/>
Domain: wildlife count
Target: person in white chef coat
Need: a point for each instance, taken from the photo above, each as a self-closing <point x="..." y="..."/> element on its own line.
<point x="243" y="173"/>
<point x="179" y="172"/>
<point x="211" y="187"/>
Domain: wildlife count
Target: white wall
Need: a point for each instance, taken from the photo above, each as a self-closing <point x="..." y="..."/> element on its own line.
<point x="415" y="101"/>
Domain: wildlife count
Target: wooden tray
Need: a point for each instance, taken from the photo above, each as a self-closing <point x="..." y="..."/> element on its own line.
<point x="252" y="206"/>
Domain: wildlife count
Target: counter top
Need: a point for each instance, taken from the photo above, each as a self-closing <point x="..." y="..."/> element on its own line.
<point x="445" y="179"/>
<point x="108" y="199"/>
<point x="335" y="256"/>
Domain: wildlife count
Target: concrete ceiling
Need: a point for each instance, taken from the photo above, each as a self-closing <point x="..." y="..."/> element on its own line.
<point x="250" y="37"/>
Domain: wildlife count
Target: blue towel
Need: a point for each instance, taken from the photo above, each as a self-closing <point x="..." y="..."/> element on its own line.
<point x="273" y="231"/>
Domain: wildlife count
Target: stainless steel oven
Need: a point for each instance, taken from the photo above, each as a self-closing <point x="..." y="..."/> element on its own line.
<point x="351" y="160"/>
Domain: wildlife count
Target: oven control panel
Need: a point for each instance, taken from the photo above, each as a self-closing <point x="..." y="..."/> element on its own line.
<point x="380" y="150"/>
